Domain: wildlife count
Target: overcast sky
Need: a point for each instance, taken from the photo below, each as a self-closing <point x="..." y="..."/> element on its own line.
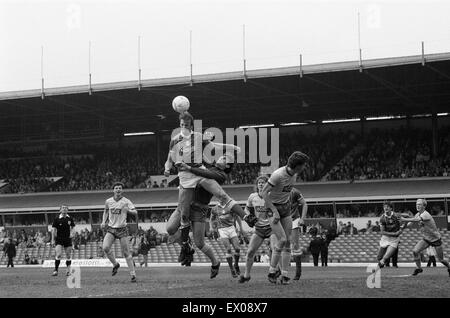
<point x="276" y="33"/>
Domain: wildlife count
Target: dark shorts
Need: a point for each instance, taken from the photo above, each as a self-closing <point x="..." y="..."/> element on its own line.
<point x="263" y="232"/>
<point x="284" y="209"/>
<point x="118" y="233"/>
<point x="199" y="212"/>
<point x="436" y="243"/>
<point x="65" y="242"/>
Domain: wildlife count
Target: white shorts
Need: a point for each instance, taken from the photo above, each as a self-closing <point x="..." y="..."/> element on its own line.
<point x="188" y="180"/>
<point x="389" y="241"/>
<point x="227" y="232"/>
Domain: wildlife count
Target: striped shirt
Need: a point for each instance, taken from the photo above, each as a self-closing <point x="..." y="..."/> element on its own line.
<point x="116" y="216"/>
<point x="282" y="183"/>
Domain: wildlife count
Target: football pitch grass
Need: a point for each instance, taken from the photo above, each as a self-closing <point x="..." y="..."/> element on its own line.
<point x="194" y="282"/>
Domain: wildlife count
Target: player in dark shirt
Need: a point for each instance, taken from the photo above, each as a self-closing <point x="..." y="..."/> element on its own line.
<point x="199" y="210"/>
<point x="62" y="233"/>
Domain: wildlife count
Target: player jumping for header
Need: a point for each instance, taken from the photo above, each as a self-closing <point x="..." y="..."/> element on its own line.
<point x="187" y="147"/>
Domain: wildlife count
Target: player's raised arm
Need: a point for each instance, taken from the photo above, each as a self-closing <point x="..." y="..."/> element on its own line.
<point x="228" y="147"/>
<point x="265" y="194"/>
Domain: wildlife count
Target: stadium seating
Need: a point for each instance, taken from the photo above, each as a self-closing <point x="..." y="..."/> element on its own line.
<point x="344" y="249"/>
<point x="364" y="247"/>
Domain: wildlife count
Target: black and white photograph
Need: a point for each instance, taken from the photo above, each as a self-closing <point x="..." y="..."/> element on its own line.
<point x="216" y="156"/>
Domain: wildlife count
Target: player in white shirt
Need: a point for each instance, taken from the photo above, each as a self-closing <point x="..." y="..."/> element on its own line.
<point x="188" y="147"/>
<point x="115" y="223"/>
<point x="430" y="236"/>
<point x="276" y="194"/>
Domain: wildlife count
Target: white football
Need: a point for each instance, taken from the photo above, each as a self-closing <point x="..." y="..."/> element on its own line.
<point x="180" y="104"/>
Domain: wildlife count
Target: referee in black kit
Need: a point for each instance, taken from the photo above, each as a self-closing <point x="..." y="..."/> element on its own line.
<point x="62" y="233"/>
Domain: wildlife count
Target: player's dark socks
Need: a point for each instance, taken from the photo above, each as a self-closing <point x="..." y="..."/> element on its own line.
<point x="417" y="271"/>
<point x="68" y="263"/>
<point x="230" y="262"/>
<point x="133" y="279"/>
<point x="236" y="263"/>
<point x="57" y="262"/>
<point x="243" y="279"/>
<point x="185" y="234"/>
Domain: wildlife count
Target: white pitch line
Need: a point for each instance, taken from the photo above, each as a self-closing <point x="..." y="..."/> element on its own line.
<point x="171" y="286"/>
<point x="407" y="275"/>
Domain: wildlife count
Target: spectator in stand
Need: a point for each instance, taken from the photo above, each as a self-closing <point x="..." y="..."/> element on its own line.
<point x="155" y="185"/>
<point x="376" y="227"/>
<point x="324" y="248"/>
<point x="27" y="258"/>
<point x="40" y="239"/>
<point x="2" y="236"/>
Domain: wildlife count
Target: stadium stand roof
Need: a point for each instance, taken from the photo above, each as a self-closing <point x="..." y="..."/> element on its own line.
<point x="161" y="198"/>
<point x="387" y="86"/>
